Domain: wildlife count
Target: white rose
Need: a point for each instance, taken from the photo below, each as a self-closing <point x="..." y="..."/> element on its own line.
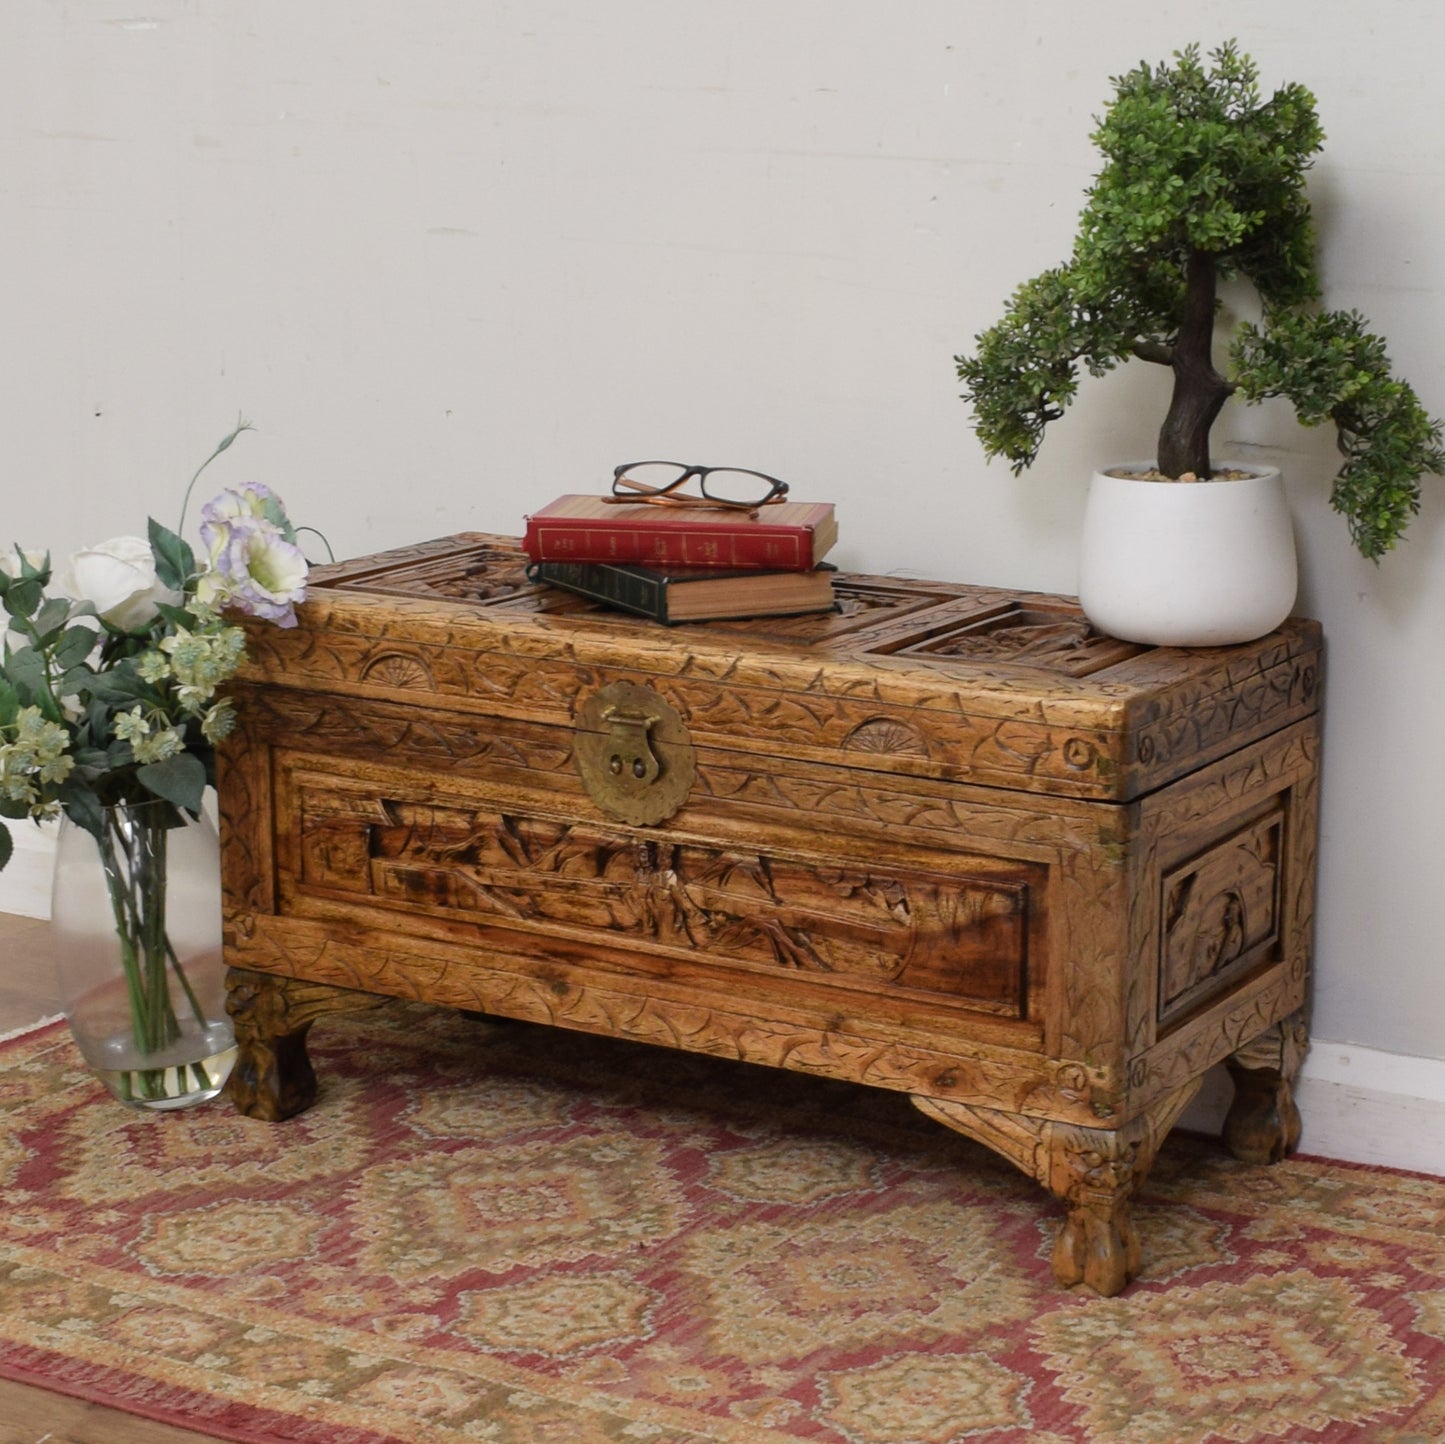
<point x="118" y="577"/>
<point x="10" y="561"/>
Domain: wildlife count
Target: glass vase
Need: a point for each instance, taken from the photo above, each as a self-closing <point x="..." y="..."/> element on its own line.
<point x="136" y="923"/>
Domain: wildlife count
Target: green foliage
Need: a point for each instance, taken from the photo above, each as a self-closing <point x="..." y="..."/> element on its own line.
<point x="1024" y="373"/>
<point x="1194" y="161"/>
<point x="1331" y="368"/>
<point x="1197" y="165"/>
<point x="114" y="697"/>
<point x="175" y="561"/>
<point x="180" y="779"/>
<point x="91" y="715"/>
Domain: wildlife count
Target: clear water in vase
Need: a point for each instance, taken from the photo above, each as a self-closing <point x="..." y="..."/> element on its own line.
<point x="136" y="927"/>
<point x="191" y="1070"/>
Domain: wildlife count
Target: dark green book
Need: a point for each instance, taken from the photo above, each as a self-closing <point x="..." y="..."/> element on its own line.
<point x="675" y="595"/>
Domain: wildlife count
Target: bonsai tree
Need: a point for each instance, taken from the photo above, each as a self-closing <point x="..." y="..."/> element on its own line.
<point x="1203" y="181"/>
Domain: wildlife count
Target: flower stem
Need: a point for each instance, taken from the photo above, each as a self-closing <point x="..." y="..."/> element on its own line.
<point x="122" y="907"/>
<point x="133" y="848"/>
<point x="241" y="425"/>
<point x="330" y="555"/>
<point x="197" y="1011"/>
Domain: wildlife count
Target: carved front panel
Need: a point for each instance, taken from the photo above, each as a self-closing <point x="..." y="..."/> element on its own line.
<point x="959" y="933"/>
<point x="1220" y="913"/>
<point x="1000" y="688"/>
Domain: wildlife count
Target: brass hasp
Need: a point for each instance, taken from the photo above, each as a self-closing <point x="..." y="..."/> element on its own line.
<point x="634" y="754"/>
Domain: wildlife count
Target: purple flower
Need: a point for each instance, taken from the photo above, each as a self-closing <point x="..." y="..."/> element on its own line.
<point x="249" y="498"/>
<point x="253" y="565"/>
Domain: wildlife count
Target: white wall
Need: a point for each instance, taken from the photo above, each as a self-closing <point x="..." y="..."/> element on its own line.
<point x="455" y="256"/>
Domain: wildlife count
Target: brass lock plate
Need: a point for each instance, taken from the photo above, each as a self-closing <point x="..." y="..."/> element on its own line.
<point x="633" y="754"/>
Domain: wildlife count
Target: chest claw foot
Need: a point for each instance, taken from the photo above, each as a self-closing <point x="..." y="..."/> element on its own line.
<point x="1093" y="1172"/>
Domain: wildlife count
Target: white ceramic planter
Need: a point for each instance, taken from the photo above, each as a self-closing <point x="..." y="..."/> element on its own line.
<point x="1187" y="564"/>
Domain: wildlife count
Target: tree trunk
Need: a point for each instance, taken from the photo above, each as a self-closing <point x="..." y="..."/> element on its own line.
<point x="1199" y="390"/>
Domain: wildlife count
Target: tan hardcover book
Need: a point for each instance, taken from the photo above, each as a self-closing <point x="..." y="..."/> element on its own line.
<point x="691" y="595"/>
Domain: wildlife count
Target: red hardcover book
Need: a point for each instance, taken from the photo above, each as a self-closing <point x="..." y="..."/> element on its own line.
<point x="790" y="536"/>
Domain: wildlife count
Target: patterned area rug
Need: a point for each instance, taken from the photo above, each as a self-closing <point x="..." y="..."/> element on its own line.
<point x="495" y="1232"/>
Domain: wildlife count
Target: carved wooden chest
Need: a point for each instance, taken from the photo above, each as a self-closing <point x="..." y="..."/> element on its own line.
<point x="945" y="840"/>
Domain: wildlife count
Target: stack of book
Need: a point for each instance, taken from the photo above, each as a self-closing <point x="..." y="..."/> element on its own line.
<point x="686" y="564"/>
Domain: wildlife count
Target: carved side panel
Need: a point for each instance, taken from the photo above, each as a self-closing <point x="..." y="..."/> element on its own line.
<point x="1220" y="913"/>
<point x="243" y="784"/>
<point x="954" y="933"/>
<point x="1233" y="854"/>
<point x="1217" y="1031"/>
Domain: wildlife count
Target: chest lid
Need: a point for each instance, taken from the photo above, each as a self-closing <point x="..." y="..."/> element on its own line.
<point x="945" y="680"/>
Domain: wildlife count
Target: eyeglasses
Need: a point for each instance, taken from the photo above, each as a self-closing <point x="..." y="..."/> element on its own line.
<point x="661" y="483"/>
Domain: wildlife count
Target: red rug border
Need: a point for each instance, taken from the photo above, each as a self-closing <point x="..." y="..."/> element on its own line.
<point x="104" y="1386"/>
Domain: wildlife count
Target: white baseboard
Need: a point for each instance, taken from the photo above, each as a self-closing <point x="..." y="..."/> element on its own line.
<point x="1358" y="1104"/>
<point x="25" y="880"/>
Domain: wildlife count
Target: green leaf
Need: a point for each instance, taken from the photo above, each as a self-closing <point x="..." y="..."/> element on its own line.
<point x="120" y="686"/>
<point x="74" y="647"/>
<point x="75" y="680"/>
<point x="82" y="806"/>
<point x="32" y="573"/>
<point x="26" y="670"/>
<point x="275" y="513"/>
<point x="175" y="561"/>
<point x="177" y="616"/>
<point x="23" y="597"/>
<point x="180" y="779"/>
<point x="52" y="618"/>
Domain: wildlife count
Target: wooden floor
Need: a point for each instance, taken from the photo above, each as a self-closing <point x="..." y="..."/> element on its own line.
<point x="36" y="1416"/>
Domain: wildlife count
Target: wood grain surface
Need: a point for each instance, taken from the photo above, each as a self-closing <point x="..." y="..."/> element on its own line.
<point x="946" y="840"/>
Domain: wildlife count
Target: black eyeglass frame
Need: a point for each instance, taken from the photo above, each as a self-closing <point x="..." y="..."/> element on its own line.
<point x="624" y="490"/>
